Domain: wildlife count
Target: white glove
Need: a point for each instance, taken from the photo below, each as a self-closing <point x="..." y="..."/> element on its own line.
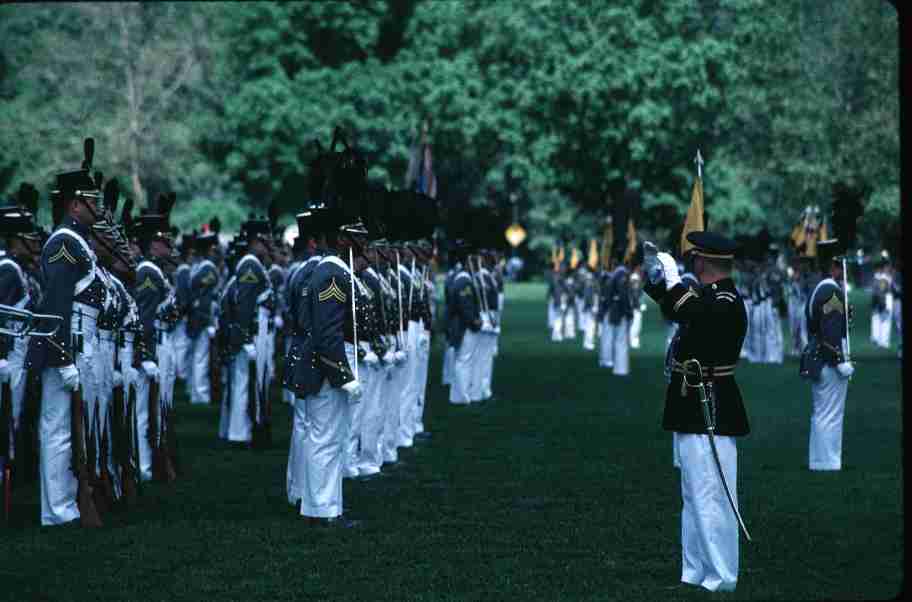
<point x="846" y="369"/>
<point x="210" y="332"/>
<point x="150" y="369"/>
<point x="642" y="307"/>
<point x="70" y="376"/>
<point x="130" y="375"/>
<point x="399" y="357"/>
<point x="670" y="268"/>
<point x="279" y="323"/>
<point x="117" y="378"/>
<point x="353" y="388"/>
<point x="4" y="369"/>
<point x="250" y="350"/>
<point x="370" y="358"/>
<point x="389" y="357"/>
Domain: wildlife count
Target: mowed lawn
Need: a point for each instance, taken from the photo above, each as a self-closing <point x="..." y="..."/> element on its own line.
<point x="560" y="489"/>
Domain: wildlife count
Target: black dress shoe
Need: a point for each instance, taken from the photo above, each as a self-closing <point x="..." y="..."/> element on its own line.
<point x="340" y="522"/>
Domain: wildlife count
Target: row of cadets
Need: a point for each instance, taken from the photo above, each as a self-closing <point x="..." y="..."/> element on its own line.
<point x="204" y="281"/>
<point x="22" y="241"/>
<point x="248" y="306"/>
<point x="155" y="345"/>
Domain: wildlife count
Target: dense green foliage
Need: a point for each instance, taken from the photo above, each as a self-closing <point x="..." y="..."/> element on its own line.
<point x="561" y="489"/>
<point x="558" y="102"/>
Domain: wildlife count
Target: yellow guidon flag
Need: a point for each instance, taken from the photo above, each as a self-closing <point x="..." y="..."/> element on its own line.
<point x="631" y="241"/>
<point x="593" y="260"/>
<point x="574" y="258"/>
<point x="694" y="220"/>
<point x="557" y="258"/>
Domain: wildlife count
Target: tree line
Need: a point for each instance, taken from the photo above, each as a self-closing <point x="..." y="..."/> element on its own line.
<point x="552" y="105"/>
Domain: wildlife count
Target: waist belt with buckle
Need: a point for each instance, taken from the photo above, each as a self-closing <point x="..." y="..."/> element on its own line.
<point x="709" y="372"/>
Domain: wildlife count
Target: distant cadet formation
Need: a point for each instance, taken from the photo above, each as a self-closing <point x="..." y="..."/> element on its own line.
<point x="104" y="318"/>
<point x="601" y="299"/>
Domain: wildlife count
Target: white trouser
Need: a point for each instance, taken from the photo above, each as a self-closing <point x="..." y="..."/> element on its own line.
<point x="321" y="480"/>
<point x="606" y="344"/>
<point x="17" y="382"/>
<point x="557" y="327"/>
<point x="370" y="457"/>
<point x="461" y="388"/>
<point x="709" y="529"/>
<point x="756" y="332"/>
<point x="880" y="328"/>
<point x="797" y="330"/>
<point x="295" y="474"/>
<point x="570" y="322"/>
<point x="199" y="376"/>
<point x="487" y="364"/>
<point x="829" y="395"/>
<point x="424" y="356"/>
<point x="479" y="360"/>
<point x="142" y="425"/>
<point x="589" y="331"/>
<point x="182" y="351"/>
<point x="58" y="483"/>
<point x="240" y="427"/>
<point x="621" y="347"/>
<point x="636" y="327"/>
<point x="407" y="395"/>
<point x="580" y="314"/>
<point x="448" y="355"/>
<point x="389" y="400"/>
<point x="775" y="348"/>
<point x="552" y="314"/>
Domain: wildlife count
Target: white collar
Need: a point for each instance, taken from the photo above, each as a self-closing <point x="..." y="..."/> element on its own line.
<point x="154" y="267"/>
<point x="250" y="257"/>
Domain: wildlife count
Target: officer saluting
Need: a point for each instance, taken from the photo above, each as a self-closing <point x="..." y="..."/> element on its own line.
<point x="712" y="322"/>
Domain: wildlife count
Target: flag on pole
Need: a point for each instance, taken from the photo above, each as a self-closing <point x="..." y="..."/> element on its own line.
<point x="694" y="220"/>
<point x="420" y="174"/>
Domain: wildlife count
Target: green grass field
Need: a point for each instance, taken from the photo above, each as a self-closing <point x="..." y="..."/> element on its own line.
<point x="561" y="489"/>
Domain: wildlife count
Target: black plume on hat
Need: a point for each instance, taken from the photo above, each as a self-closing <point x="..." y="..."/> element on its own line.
<point x="112" y="195"/>
<point x="28" y="198"/>
<point x="88" y="153"/>
<point x="215" y="224"/>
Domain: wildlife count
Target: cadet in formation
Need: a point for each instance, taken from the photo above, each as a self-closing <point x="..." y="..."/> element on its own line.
<point x="825" y="360"/>
<point x="882" y="303"/>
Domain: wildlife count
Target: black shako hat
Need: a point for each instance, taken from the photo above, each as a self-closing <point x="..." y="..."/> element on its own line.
<point x="712" y="245"/>
<point x="204" y="241"/>
<point x="17" y="221"/>
<point x="828" y="251"/>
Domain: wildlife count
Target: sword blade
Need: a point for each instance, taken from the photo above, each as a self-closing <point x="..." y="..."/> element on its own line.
<point x="731" y="501"/>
